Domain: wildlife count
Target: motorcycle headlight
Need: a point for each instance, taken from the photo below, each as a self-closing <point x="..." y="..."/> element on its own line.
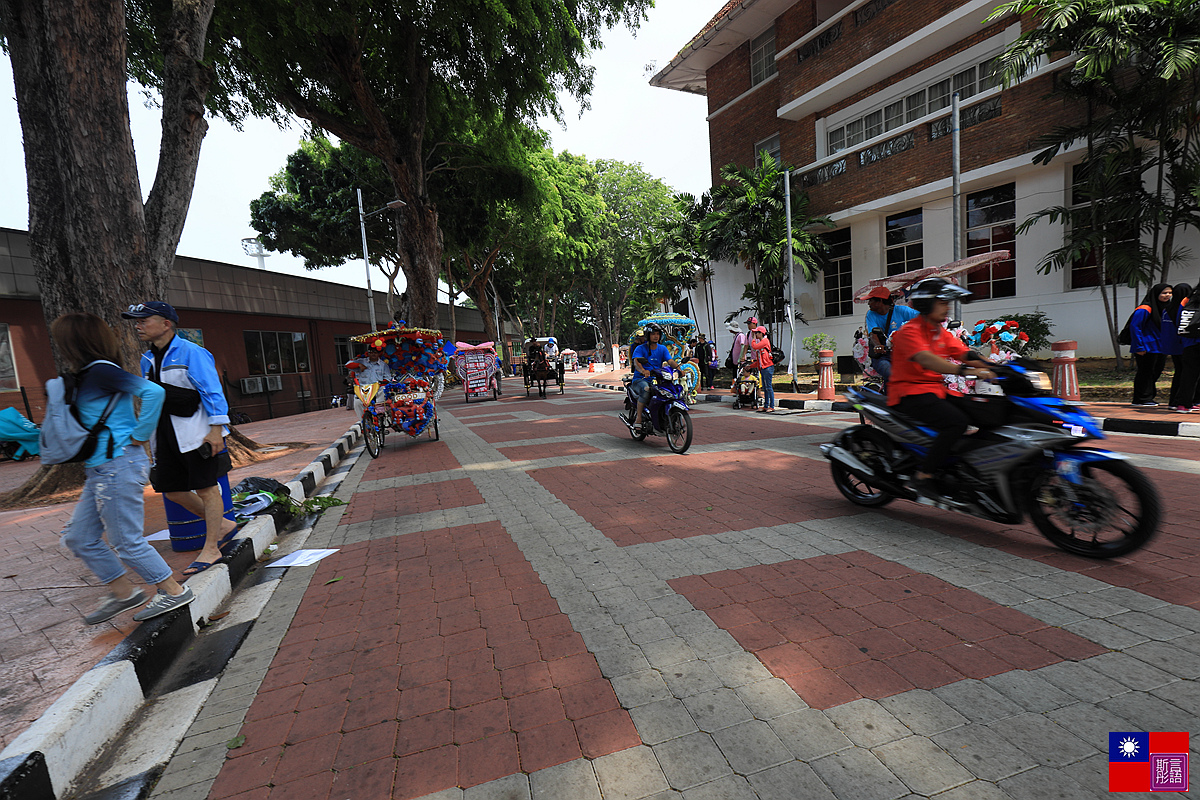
<point x="1040" y="381"/>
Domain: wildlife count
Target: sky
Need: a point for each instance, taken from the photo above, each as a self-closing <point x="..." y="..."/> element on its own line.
<point x="629" y="120"/>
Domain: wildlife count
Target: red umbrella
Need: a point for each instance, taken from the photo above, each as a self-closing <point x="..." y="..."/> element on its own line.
<point x="900" y="283"/>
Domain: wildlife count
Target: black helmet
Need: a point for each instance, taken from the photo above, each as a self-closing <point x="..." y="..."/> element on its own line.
<point x="652" y="328"/>
<point x="924" y="293"/>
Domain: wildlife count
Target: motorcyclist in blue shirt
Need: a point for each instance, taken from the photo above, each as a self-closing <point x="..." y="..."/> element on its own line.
<point x="647" y="357"/>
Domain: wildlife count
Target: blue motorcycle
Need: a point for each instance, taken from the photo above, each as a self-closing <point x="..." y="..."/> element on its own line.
<point x="666" y="413"/>
<point x="1086" y="501"/>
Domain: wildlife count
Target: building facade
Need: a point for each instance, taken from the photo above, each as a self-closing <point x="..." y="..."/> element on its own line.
<point x="280" y="341"/>
<point x="856" y="97"/>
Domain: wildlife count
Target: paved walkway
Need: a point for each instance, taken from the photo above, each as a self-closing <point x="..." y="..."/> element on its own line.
<point x="45" y="591"/>
<point x="539" y="607"/>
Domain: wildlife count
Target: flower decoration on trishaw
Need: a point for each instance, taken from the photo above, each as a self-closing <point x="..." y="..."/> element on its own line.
<point x="677" y="330"/>
<point x="479" y="369"/>
<point x="417" y="358"/>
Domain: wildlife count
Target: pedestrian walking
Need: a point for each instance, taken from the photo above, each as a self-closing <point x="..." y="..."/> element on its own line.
<point x="760" y="347"/>
<point x="111" y="505"/>
<point x="705" y="355"/>
<point x="189" y="442"/>
<point x="1145" y="336"/>
<point x="1186" y="381"/>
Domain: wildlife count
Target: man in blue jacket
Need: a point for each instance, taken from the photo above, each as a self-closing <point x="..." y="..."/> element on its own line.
<point x="191" y="431"/>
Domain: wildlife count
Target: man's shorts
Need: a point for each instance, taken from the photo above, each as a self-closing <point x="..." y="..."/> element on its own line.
<point x="184" y="472"/>
<point x="641" y="389"/>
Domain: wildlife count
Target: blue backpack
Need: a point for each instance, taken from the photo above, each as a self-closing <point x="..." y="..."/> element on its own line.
<point x="63" y="438"/>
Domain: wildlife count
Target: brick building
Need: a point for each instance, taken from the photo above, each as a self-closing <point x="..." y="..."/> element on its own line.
<point x="856" y="97"/>
<point x="280" y="341"/>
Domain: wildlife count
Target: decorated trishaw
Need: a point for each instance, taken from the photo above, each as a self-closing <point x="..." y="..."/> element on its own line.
<point x="677" y="330"/>
<point x="570" y="360"/>
<point x="542" y="365"/>
<point x="407" y="402"/>
<point x="478" y="367"/>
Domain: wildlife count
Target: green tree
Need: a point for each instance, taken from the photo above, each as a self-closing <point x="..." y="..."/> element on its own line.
<point x="748" y="226"/>
<point x="1136" y="83"/>
<point x="378" y="75"/>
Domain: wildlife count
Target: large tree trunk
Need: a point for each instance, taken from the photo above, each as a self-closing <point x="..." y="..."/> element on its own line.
<point x="87" y="229"/>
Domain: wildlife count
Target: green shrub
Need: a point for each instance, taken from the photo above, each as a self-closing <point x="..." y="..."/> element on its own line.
<point x="816" y="343"/>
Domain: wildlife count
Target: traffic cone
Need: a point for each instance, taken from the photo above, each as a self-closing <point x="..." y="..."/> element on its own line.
<point x="592" y="367"/>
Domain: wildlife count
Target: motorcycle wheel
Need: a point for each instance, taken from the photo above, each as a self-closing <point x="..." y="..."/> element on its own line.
<point x="679" y="431"/>
<point x="1103" y="522"/>
<point x="637" y="437"/>
<point x="373" y="436"/>
<point x="872" y="448"/>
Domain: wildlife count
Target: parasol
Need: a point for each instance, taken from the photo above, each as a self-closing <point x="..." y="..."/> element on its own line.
<point x="900" y="283"/>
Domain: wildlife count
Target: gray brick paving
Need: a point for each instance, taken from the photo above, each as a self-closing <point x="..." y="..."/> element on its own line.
<point x="714" y="722"/>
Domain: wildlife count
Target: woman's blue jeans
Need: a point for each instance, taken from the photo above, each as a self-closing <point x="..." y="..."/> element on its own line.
<point x="111" y="505"/>
<point x="768" y="386"/>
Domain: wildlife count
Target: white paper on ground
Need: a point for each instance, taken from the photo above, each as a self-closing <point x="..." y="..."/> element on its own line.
<point x="301" y="558"/>
<point x="159" y="536"/>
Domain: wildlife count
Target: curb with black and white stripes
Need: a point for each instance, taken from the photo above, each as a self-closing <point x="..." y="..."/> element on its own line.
<point x="49" y="758"/>
<point x="1150" y="427"/>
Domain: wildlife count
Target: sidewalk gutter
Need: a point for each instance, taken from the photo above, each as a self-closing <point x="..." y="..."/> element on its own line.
<point x="1151" y="427"/>
<point x="49" y="756"/>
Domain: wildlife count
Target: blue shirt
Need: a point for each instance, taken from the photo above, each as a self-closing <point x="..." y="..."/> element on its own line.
<point x="101" y="382"/>
<point x="900" y="315"/>
<point x="654" y="358"/>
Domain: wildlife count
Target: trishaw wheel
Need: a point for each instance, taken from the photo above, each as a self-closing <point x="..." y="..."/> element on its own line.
<point x="468" y="396"/>
<point x="373" y="435"/>
<point x="436" y="433"/>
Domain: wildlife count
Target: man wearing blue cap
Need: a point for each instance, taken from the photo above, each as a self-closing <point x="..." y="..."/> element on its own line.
<point x="189" y="443"/>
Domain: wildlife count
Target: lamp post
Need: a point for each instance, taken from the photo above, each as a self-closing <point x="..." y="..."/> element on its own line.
<point x="253" y="247"/>
<point x="362" y="224"/>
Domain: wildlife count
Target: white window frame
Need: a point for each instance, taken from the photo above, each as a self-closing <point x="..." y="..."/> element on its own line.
<point x="762" y="57"/>
<point x="771" y="146"/>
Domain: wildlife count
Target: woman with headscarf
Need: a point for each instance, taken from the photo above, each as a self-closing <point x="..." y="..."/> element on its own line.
<point x="1187" y="363"/>
<point x="1146" y="344"/>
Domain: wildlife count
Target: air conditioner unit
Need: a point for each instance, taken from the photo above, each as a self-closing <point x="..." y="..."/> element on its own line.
<point x="252" y="386"/>
<point x="274" y="383"/>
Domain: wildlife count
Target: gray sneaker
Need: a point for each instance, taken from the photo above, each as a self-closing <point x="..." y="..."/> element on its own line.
<point x="163" y="602"/>
<point x="112" y="606"/>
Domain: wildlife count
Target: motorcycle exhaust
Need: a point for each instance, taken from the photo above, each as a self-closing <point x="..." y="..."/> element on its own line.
<point x="848" y="460"/>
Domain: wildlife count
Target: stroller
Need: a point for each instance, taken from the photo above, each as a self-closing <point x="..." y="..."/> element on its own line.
<point x="747" y="386"/>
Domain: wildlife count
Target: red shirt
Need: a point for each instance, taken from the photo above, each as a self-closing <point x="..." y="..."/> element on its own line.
<point x="909" y="377"/>
<point x="762" y="353"/>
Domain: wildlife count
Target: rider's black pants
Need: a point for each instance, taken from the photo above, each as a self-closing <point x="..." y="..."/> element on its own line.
<point x="950" y="417"/>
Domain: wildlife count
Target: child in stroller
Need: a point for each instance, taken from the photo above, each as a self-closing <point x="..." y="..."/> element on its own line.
<point x="747" y="386"/>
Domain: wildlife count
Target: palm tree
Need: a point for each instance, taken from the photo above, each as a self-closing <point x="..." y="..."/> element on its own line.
<point x="748" y="226"/>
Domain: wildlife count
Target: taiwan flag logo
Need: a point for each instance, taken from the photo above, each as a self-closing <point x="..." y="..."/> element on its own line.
<point x="1148" y="762"/>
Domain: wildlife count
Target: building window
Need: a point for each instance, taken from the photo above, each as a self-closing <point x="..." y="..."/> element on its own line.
<point x="991" y="226"/>
<point x="838" y="274"/>
<point x="903" y="245"/>
<point x="343" y="351"/>
<point x="762" y="58"/>
<point x="770" y="146"/>
<point x="8" y="365"/>
<point x="899" y="111"/>
<point x="276" y="352"/>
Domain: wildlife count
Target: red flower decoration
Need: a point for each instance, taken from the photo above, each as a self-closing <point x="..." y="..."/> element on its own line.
<point x="1023" y="336"/>
<point x="989" y="332"/>
<point x="1012" y="323"/>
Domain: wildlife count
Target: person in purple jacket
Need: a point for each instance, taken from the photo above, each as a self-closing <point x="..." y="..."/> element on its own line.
<point x="111" y="504"/>
<point x="1145" y="342"/>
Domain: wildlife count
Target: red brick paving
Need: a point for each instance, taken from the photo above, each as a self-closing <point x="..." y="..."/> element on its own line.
<point x="839" y="628"/>
<point x="385" y="503"/>
<point x="403" y="455"/>
<point x="491" y="418"/>
<point x="436" y="660"/>
<point x="542" y="429"/>
<point x="658" y="498"/>
<point x="530" y="452"/>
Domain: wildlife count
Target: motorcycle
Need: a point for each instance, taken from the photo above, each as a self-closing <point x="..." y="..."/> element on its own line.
<point x="1087" y="501"/>
<point x="666" y="414"/>
<point x="18" y="436"/>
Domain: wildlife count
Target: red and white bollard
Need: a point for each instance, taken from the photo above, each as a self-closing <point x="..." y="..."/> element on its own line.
<point x="1064" y="378"/>
<point x="825" y="386"/>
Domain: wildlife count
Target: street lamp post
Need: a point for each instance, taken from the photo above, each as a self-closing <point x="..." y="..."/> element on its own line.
<point x="362" y="224"/>
<point x="253" y="247"/>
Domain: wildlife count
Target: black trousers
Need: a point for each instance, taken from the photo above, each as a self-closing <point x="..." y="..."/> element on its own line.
<point x="1149" y="369"/>
<point x="950" y="417"/>
<point x="1187" y="376"/>
<point x="706" y="375"/>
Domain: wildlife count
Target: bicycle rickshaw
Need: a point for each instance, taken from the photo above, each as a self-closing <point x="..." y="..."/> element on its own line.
<point x="478" y="366"/>
<point x="408" y="402"/>
<point x="541" y="367"/>
<point x="677" y="330"/>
